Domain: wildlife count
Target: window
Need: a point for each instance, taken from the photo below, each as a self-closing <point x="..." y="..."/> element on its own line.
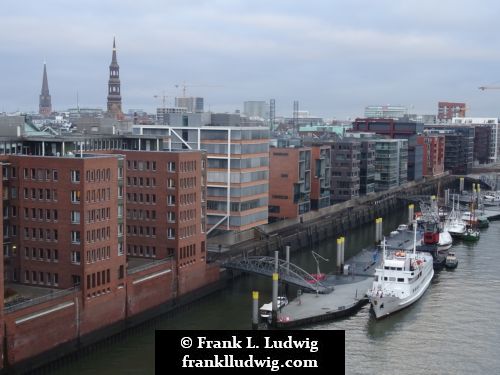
<point x="120" y="250"/>
<point x="75" y="196"/>
<point x="171" y="200"/>
<point x="75" y="217"/>
<point x="75" y="257"/>
<point x="171" y="233"/>
<point x="171" y="166"/>
<point x="55" y="174"/>
<point x="171" y="183"/>
<point x="171" y="217"/>
<point x="75" y="176"/>
<point x="75" y="237"/>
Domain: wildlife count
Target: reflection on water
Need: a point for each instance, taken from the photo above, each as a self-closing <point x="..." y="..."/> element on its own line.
<point x="453" y="328"/>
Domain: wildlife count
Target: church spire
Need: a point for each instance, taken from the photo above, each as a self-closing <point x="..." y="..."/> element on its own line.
<point x="45" y="104"/>
<point x="114" y="96"/>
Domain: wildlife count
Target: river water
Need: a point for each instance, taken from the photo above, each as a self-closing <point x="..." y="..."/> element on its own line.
<point x="453" y="329"/>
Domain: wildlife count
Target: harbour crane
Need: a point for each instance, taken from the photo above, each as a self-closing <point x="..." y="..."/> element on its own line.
<point x="184" y="85"/>
<point x="163" y="98"/>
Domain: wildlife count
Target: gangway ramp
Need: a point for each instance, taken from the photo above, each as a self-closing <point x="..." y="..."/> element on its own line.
<point x="288" y="272"/>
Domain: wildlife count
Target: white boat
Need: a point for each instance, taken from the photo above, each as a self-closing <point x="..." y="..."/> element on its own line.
<point x="451" y="260"/>
<point x="493" y="197"/>
<point x="445" y="240"/>
<point x="400" y="281"/>
<point x="454" y="225"/>
<point x="402" y="227"/>
<point x="266" y="309"/>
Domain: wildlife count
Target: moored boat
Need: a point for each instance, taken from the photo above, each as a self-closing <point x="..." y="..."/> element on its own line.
<point x="401" y="280"/>
<point x="471" y="234"/>
<point x="451" y="260"/>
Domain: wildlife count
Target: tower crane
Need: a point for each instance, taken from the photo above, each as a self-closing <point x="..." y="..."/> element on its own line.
<point x="482" y="88"/>
<point x="184" y="85"/>
<point x="163" y="98"/>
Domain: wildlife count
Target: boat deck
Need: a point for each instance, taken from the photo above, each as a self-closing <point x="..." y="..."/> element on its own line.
<point x="403" y="240"/>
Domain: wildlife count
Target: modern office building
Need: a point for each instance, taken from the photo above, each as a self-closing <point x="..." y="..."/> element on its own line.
<point x="237" y="170"/>
<point x="386" y="111"/>
<point x="398" y="129"/>
<point x="391" y="163"/>
<point x="494" y="138"/>
<point x="447" y="110"/>
<point x="459" y="146"/>
<point x="345" y="157"/>
<point x="321" y="171"/>
<point x="289" y="182"/>
<point x="163" y="112"/>
<point x="192" y="104"/>
<point x="259" y="109"/>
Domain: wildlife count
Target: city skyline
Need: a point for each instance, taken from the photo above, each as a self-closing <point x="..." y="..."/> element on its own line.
<point x="334" y="58"/>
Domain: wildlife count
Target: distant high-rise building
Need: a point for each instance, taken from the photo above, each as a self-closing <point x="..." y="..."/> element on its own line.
<point x="256" y="109"/>
<point x="114" y="96"/>
<point x="446" y="110"/>
<point x="386" y="111"/>
<point x="192" y="104"/>
<point x="45" y="107"/>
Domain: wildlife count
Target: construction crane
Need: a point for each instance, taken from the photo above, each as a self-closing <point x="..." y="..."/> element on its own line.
<point x="163" y="98"/>
<point x="184" y="86"/>
<point x="482" y="88"/>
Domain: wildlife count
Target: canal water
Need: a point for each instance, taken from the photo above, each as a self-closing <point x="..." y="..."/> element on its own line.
<point x="453" y="329"/>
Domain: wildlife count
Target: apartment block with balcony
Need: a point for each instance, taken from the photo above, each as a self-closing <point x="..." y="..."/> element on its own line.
<point x="345" y="179"/>
<point x="391" y="163"/>
<point x="321" y="175"/>
<point x="289" y="182"/>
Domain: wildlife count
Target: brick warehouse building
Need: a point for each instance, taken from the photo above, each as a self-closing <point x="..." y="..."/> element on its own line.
<point x="66" y="220"/>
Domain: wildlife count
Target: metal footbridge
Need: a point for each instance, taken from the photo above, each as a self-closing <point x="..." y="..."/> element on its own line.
<point x="288" y="272"/>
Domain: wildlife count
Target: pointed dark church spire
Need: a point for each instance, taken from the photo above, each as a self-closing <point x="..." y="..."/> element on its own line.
<point x="114" y="96"/>
<point x="45" y="105"/>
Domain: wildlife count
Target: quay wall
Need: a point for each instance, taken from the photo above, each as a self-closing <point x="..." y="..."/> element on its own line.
<point x="324" y="224"/>
<point x="39" y="333"/>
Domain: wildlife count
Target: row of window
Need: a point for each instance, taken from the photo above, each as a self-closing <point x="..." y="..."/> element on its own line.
<point x="141" y="214"/>
<point x="141" y="198"/>
<point x="39" y="277"/>
<point x="141" y="165"/>
<point x="47" y="255"/>
<point x="97" y="278"/>
<point x="37" y="194"/>
<point x="133" y="230"/>
<point x="187" y="198"/>
<point x="187" y="183"/>
<point x="92" y="216"/>
<point x="188" y="231"/>
<point x="93" y="175"/>
<point x="93" y="235"/>
<point x="141" y="181"/>
<point x="38" y="174"/>
<point x="187" y="251"/>
<point x="139" y="250"/>
<point x="187" y="166"/>
<point x="39" y="234"/>
<point x="39" y="214"/>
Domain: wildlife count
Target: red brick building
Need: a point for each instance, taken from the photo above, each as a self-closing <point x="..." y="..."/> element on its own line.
<point x="63" y="222"/>
<point x="433" y="154"/>
<point x="289" y="182"/>
<point x="448" y="110"/>
<point x="320" y="172"/>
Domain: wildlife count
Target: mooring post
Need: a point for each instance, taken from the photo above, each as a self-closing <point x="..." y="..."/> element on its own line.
<point x="339" y="249"/>
<point x="411" y="212"/>
<point x="342" y="250"/>
<point x="255" y="310"/>
<point x="287" y="255"/>
<point x="461" y="185"/>
<point x="276" y="261"/>
<point x="275" y="298"/>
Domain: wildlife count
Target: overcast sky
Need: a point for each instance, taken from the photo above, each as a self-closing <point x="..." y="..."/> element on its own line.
<point x="335" y="57"/>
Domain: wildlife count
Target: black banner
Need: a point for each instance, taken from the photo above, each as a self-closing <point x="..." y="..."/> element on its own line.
<point x="251" y="352"/>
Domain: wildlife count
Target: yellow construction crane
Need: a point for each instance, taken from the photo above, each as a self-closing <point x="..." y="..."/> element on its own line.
<point x="184" y="85"/>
